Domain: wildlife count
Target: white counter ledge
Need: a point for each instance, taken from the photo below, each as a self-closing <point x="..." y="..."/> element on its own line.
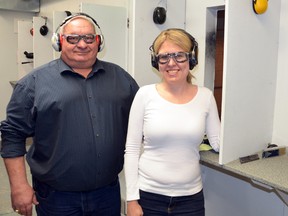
<point x="268" y="172"/>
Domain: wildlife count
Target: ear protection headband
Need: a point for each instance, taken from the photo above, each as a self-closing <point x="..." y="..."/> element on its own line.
<point x="57" y="40"/>
<point x="193" y="53"/>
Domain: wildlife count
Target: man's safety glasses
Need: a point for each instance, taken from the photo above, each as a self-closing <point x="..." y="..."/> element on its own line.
<point x="74" y="38"/>
<point x="179" y="57"/>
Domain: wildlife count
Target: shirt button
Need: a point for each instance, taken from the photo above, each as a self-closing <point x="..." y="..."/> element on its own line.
<point x="93" y="116"/>
<point x="89" y="96"/>
<point x="97" y="135"/>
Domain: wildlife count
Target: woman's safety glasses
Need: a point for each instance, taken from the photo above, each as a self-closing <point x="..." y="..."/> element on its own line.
<point x="179" y="57"/>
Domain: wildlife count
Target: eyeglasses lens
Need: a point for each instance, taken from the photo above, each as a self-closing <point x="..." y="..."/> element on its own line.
<point x="179" y="57"/>
<point x="74" y="39"/>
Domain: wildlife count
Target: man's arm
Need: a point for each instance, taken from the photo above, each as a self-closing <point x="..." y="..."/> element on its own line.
<point x="22" y="194"/>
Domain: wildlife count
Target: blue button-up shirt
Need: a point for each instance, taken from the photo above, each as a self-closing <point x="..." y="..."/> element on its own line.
<point x="78" y="124"/>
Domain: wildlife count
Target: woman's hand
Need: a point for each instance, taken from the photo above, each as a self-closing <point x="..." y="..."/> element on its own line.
<point x="133" y="208"/>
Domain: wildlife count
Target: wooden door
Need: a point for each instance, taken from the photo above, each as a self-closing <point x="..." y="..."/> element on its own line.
<point x="219" y="59"/>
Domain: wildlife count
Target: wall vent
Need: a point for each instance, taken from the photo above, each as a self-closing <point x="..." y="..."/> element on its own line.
<point x="20" y="5"/>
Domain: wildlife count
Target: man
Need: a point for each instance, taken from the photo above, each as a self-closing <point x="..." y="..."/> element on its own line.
<point x="76" y="109"/>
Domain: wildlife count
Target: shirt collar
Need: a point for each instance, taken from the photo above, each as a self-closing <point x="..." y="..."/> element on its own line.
<point x="63" y="67"/>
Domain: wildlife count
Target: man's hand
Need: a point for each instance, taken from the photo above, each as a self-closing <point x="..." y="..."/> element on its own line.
<point x="22" y="194"/>
<point x="22" y="199"/>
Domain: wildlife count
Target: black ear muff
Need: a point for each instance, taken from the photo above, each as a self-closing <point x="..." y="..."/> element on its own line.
<point x="154" y="58"/>
<point x="193" y="60"/>
<point x="44" y="29"/>
<point x="260" y="6"/>
<point x="154" y="61"/>
<point x="159" y="15"/>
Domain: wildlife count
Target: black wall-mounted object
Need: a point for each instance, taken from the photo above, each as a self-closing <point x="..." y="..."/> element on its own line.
<point x="44" y="29"/>
<point x="159" y="15"/>
<point x="29" y="55"/>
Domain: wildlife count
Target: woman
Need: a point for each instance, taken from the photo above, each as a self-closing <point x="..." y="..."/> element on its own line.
<point x="169" y="120"/>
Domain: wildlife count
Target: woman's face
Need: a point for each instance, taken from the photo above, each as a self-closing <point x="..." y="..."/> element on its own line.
<point x="173" y="71"/>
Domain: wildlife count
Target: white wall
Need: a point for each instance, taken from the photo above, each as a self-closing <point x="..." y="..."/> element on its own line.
<point x="280" y="129"/>
<point x="8" y="54"/>
<point x="48" y="6"/>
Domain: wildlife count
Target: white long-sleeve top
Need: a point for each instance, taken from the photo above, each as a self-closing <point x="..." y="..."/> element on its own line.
<point x="170" y="135"/>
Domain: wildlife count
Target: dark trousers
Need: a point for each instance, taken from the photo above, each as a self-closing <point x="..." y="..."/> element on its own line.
<point x="100" y="202"/>
<point x="159" y="205"/>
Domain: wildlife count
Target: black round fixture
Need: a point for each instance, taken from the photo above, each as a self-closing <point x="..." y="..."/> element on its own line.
<point x="159" y="15"/>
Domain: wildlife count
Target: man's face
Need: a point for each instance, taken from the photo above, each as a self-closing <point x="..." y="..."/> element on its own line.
<point x="79" y="55"/>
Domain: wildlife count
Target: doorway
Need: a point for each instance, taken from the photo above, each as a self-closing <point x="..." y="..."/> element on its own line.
<point x="219" y="51"/>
